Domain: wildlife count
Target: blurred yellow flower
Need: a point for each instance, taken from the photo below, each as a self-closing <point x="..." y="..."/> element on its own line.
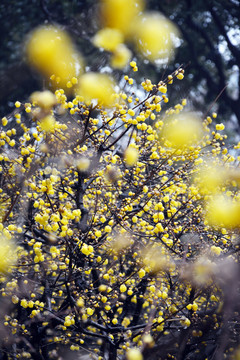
<point x="48" y="123"/>
<point x="156" y="259"/>
<point x="154" y="36"/>
<point x="131" y="156"/>
<point x="210" y="177"/>
<point x="96" y="86"/>
<point x="120" y="57"/>
<point x="120" y="243"/>
<point x="7" y="254"/>
<point x="108" y="39"/>
<point x="182" y="130"/>
<point x="120" y="14"/>
<point x="202" y="271"/>
<point x="216" y="250"/>
<point x="222" y="211"/>
<point x="134" y="354"/>
<point x="45" y="99"/>
<point x="50" y="51"/>
<point x="83" y="163"/>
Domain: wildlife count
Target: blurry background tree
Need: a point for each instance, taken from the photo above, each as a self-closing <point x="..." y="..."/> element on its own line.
<point x="210" y="34"/>
<point x="211" y="40"/>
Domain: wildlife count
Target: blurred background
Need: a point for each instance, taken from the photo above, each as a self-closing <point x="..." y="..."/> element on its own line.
<point x="209" y="50"/>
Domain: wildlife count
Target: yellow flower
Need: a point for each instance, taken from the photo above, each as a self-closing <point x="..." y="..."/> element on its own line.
<point x="131" y="156"/>
<point x="4" y="121"/>
<point x="108" y="39"/>
<point x="154" y="36"/>
<point x="7" y="254"/>
<point x="96" y="86"/>
<point x="220" y="127"/>
<point x="83" y="163"/>
<point x="17" y="104"/>
<point x="134" y="354"/>
<point x="222" y="211"/>
<point x="182" y="130"/>
<point x="141" y="273"/>
<point x="120" y="57"/>
<point x="67" y="321"/>
<point x="45" y="99"/>
<point x="123" y="288"/>
<point x="90" y="311"/>
<point x="119" y="14"/>
<point x="187" y="322"/>
<point x="48" y="123"/>
<point x="50" y="51"/>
